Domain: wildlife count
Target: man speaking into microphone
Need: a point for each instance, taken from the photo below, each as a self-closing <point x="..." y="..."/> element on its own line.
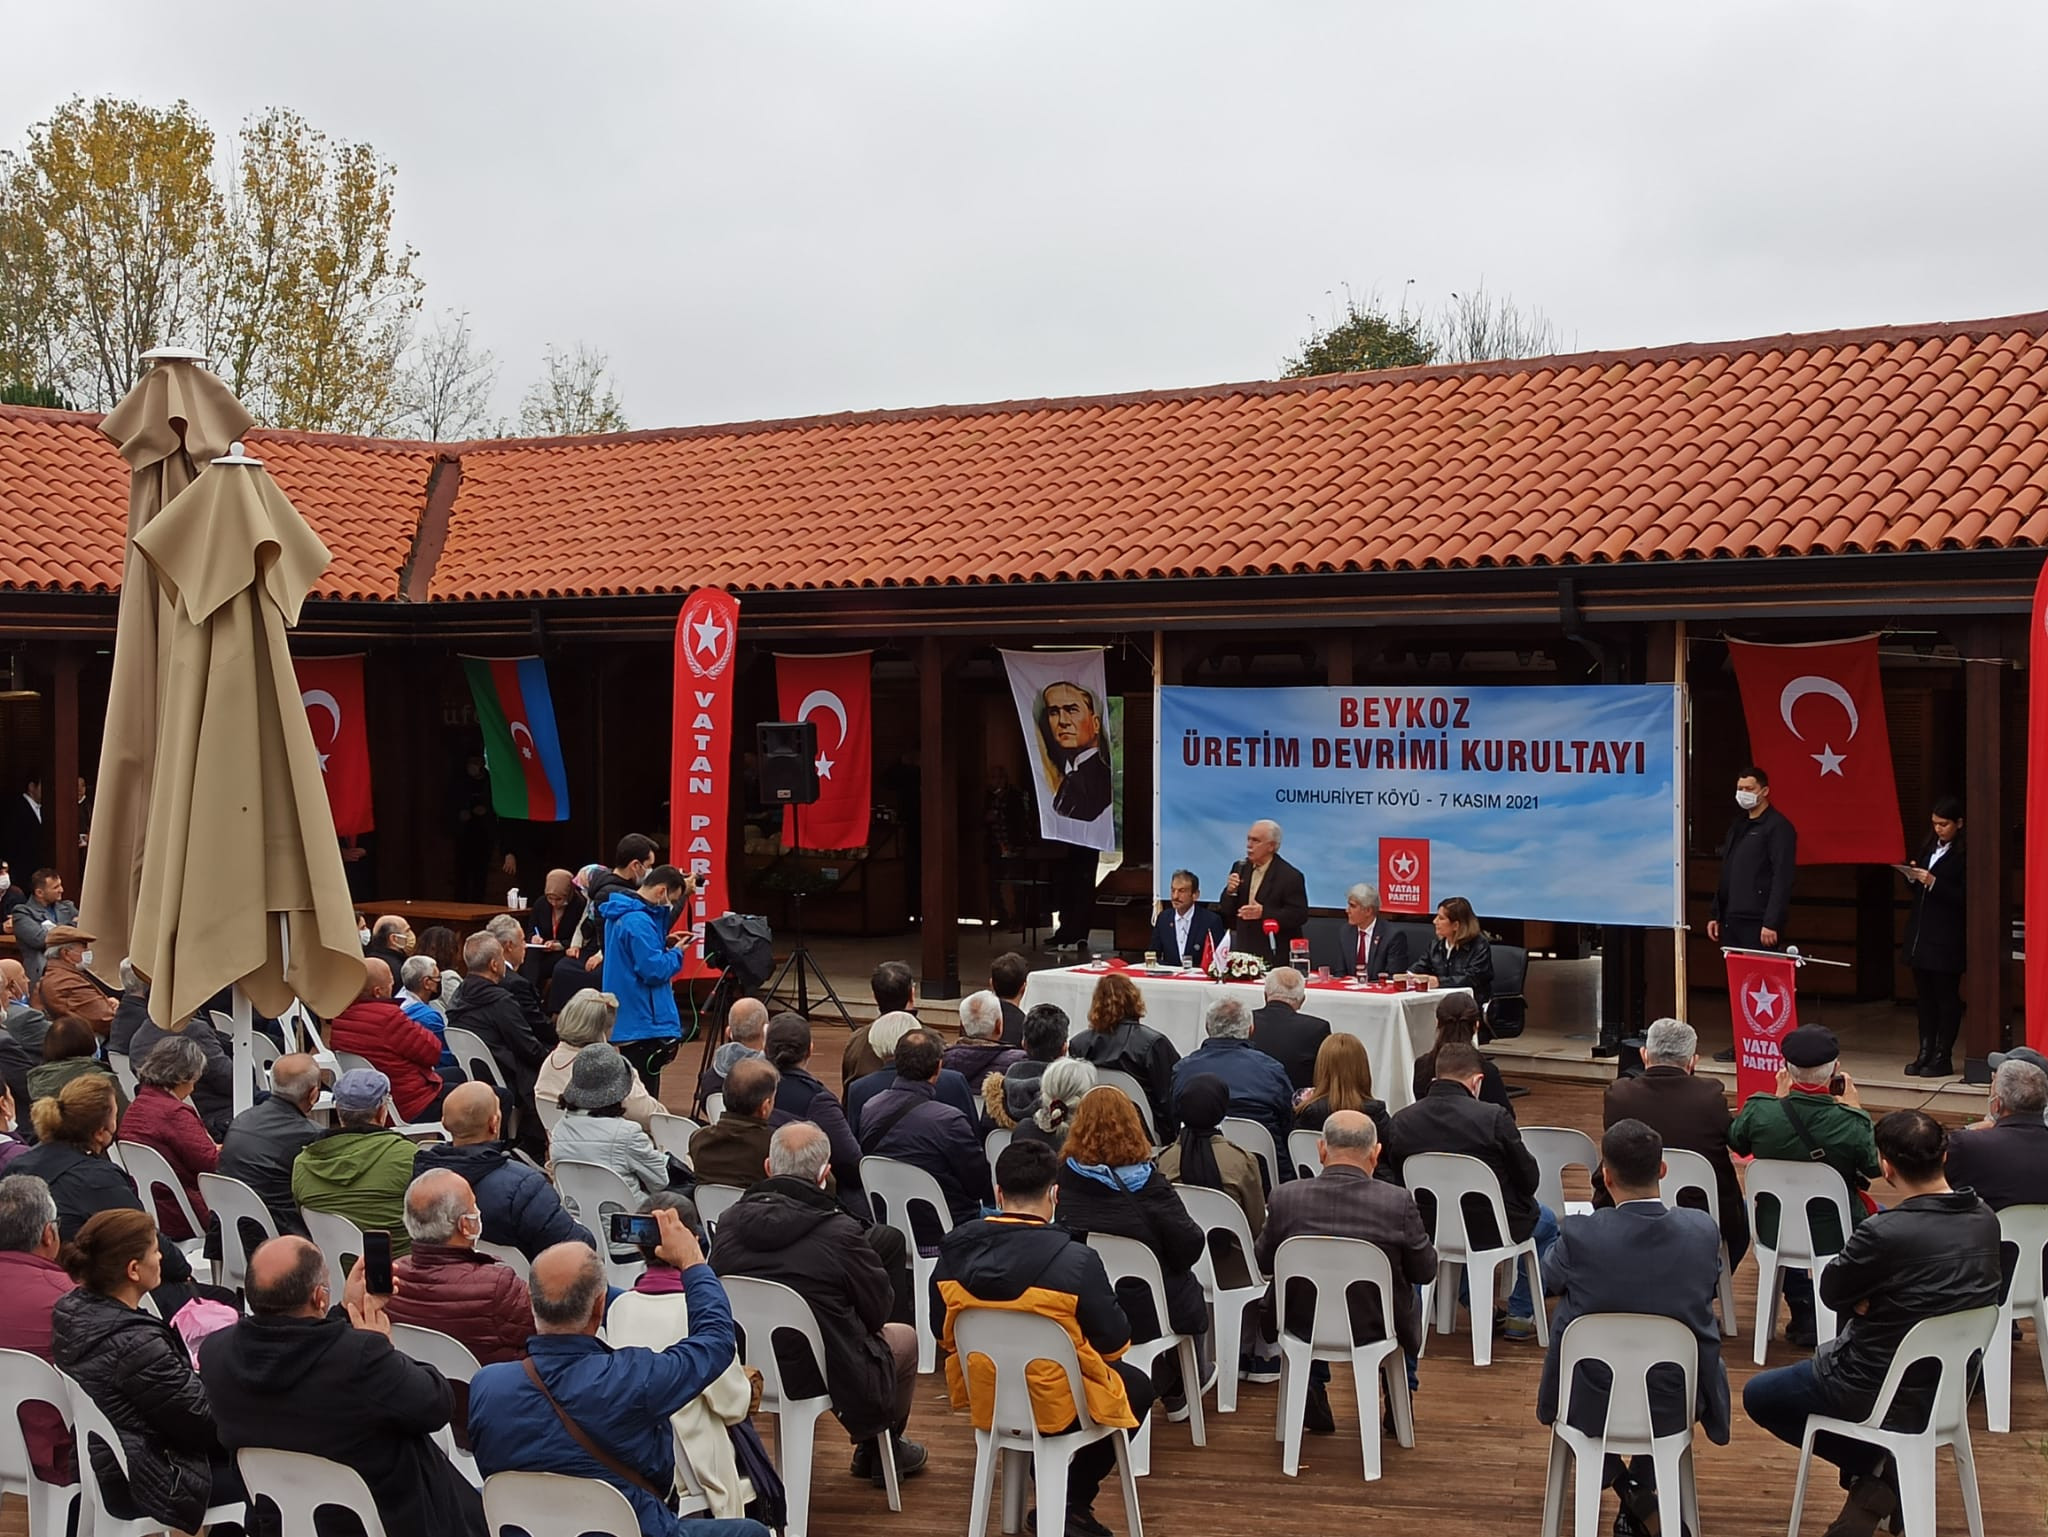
<point x="1264" y="888"/>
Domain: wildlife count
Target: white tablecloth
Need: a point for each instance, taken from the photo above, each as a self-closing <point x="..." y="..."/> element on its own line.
<point x="1395" y="1027"/>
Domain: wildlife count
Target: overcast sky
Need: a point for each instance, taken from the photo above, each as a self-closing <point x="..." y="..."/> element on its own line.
<point x="766" y="210"/>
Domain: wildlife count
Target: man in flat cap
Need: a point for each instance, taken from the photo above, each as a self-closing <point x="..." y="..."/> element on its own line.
<point x="1815" y="1117"/>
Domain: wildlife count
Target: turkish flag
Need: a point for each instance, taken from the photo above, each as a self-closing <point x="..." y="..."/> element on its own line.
<point x="833" y="691"/>
<point x="331" y="689"/>
<point x="1760" y="997"/>
<point x="1816" y="726"/>
<point x="2036" y="877"/>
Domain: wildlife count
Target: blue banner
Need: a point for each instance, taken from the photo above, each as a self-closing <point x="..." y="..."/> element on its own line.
<point x="1532" y="802"/>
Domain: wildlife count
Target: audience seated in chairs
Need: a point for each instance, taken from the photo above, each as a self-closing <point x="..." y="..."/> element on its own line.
<point x="746" y="1036"/>
<point x="586" y="1020"/>
<point x="303" y="1374"/>
<point x="1342" y="1081"/>
<point x="1458" y="1019"/>
<point x="1118" y="1040"/>
<point x="1451" y="1118"/>
<point x="446" y="1285"/>
<point x="1935" y="1252"/>
<point x="1637" y="1256"/>
<point x="1012" y="1098"/>
<point x="162" y="1117"/>
<point x="214" y="1097"/>
<point x="799" y="1096"/>
<point x="1108" y="1183"/>
<point x="788" y="1228"/>
<point x="596" y="1130"/>
<point x="1283" y="1032"/>
<point x="404" y="1051"/>
<point x="520" y="1208"/>
<point x="1017" y="1260"/>
<point x="733" y="1150"/>
<point x="69" y="1051"/>
<point x="911" y="1124"/>
<point x="511" y="938"/>
<point x="1345" y="1201"/>
<point x="264" y="1141"/>
<point x="952" y="1088"/>
<point x="1060" y="1092"/>
<point x="1008" y="975"/>
<point x="1259" y="1086"/>
<point x="485" y="1008"/>
<point x="2004" y="1157"/>
<point x="895" y="992"/>
<point x="980" y="1052"/>
<point x="31" y="1282"/>
<point x="67" y="990"/>
<point x="419" y="989"/>
<point x="620" y="1400"/>
<point x="135" y="1367"/>
<point x="360" y="1167"/>
<point x="1686" y="1112"/>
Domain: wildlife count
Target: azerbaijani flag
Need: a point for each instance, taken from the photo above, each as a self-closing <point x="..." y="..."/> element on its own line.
<point x="521" y="748"/>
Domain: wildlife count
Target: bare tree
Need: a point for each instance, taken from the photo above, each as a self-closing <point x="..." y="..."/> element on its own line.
<point x="1476" y="327"/>
<point x="575" y="395"/>
<point x="445" y="392"/>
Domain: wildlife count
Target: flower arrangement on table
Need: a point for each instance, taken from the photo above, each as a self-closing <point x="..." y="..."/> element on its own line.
<point x="1238" y="966"/>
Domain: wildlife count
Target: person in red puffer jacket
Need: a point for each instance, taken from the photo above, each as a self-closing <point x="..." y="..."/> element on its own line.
<point x="163" y="1117"/>
<point x="377" y="1030"/>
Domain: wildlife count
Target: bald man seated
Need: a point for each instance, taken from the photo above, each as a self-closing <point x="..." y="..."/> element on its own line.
<point x="519" y="1207"/>
<point x="746" y="1033"/>
<point x="308" y="1372"/>
<point x="620" y="1399"/>
<point x="733" y="1150"/>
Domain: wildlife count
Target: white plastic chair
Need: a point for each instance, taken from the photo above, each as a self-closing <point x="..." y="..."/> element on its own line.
<point x="263" y="1051"/>
<point x="453" y="1360"/>
<point x="1012" y="1343"/>
<point x="1631" y="1344"/>
<point x="1304" y="1151"/>
<point x="556" y="1505"/>
<point x="28" y="1379"/>
<point x="714" y="1201"/>
<point x="764" y="1309"/>
<point x="1214" y="1211"/>
<point x="1792" y="1185"/>
<point x="893" y="1187"/>
<point x="1450" y="1177"/>
<point x="235" y="1203"/>
<point x="1127" y="1258"/>
<point x="1555" y="1149"/>
<point x="714" y="1107"/>
<point x="670" y="1133"/>
<point x="993" y="1144"/>
<point x="300" y="1485"/>
<point x="90" y="1423"/>
<point x="473" y="1055"/>
<point x="1950" y="1339"/>
<point x="1331" y="1266"/>
<point x="417" y="1131"/>
<point x="1133" y="1091"/>
<point x="339" y="1241"/>
<point x="2026" y="1227"/>
<point x="1254" y="1139"/>
<point x="1685" y="1171"/>
<point x="591" y="1191"/>
<point x="124" y="1071"/>
<point x="152" y="1172"/>
<point x="508" y="1254"/>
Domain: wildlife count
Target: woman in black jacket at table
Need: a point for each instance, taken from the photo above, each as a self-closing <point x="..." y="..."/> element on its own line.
<point x="1461" y="956"/>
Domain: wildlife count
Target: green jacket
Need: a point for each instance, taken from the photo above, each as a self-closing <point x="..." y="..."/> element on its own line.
<point x="360" y="1175"/>
<point x="1843" y="1134"/>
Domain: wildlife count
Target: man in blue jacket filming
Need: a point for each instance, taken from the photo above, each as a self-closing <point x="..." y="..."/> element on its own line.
<point x="641" y="962"/>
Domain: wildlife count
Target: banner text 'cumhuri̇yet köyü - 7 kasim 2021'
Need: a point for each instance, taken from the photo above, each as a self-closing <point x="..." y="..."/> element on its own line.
<point x="1532" y="802"/>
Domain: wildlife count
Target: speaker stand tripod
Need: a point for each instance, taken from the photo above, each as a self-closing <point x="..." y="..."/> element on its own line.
<point x="802" y="965"/>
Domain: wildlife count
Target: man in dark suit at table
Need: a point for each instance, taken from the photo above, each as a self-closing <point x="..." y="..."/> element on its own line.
<point x="1184" y="926"/>
<point x="1264" y="888"/>
<point x="1284" y="1033"/>
<point x="1637" y="1257"/>
<point x="1369" y="944"/>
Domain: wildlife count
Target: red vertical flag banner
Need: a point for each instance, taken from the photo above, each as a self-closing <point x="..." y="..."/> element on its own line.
<point x="2036" y="892"/>
<point x="1760" y="997"/>
<point x="833" y="691"/>
<point x="331" y="689"/>
<point x="700" y="761"/>
<point x="1816" y="726"/>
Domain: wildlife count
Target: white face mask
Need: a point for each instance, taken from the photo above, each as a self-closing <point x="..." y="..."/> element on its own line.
<point x="6" y="880"/>
<point x="364" y="936"/>
<point x="85" y="957"/>
<point x="1747" y="799"/>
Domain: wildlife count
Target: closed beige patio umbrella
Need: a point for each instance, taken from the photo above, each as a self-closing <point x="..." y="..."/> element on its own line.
<point x="177" y="419"/>
<point x="241" y="879"/>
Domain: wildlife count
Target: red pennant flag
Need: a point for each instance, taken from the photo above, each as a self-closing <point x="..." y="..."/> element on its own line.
<point x="2036" y="887"/>
<point x="700" y="758"/>
<point x="1209" y="952"/>
<point x="1760" y="997"/>
<point x="833" y="691"/>
<point x="1816" y="726"/>
<point x="331" y="689"/>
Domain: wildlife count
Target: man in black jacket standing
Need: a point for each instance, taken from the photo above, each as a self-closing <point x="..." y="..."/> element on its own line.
<point x="1935" y="1252"/>
<point x="300" y="1375"/>
<point x="1264" y="888"/>
<point x="1757" y="857"/>
<point x="1937" y="943"/>
<point x="790" y="1228"/>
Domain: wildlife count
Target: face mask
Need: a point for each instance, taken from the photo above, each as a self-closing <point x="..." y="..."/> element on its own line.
<point x="85" y="958"/>
<point x="364" y="936"/>
<point x="5" y="880"/>
<point x="1747" y="799"/>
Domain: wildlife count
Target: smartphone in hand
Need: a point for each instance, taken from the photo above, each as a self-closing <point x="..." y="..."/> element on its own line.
<point x="377" y="1262"/>
<point x="636" y="1228"/>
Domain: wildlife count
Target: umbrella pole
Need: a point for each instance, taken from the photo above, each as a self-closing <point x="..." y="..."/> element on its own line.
<point x="245" y="1050"/>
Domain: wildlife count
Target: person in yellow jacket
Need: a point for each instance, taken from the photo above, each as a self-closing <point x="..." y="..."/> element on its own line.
<point x="1018" y="1261"/>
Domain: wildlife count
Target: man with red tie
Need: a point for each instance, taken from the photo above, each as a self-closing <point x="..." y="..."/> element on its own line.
<point x="1368" y="944"/>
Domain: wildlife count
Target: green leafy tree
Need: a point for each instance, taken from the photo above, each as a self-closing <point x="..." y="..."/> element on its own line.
<point x="1365" y="337"/>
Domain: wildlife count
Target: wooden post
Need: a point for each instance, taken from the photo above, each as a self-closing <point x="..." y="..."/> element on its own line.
<point x="939" y="896"/>
<point x="1990" y="925"/>
<point x="62" y="797"/>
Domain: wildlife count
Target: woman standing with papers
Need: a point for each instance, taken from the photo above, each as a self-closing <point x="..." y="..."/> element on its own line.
<point x="1936" y="943"/>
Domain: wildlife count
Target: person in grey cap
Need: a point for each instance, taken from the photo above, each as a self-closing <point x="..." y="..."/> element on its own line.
<point x="358" y="1169"/>
<point x="596" y="1130"/>
<point x="1815" y="1117"/>
<point x="2004" y="1157"/>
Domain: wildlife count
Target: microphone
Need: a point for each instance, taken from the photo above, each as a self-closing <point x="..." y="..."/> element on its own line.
<point x="1243" y="871"/>
<point x="1272" y="928"/>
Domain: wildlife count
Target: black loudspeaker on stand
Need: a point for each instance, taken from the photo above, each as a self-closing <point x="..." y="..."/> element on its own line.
<point x="788" y="753"/>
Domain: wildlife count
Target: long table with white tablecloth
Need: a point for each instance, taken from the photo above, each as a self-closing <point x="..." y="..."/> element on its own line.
<point x="1396" y="1027"/>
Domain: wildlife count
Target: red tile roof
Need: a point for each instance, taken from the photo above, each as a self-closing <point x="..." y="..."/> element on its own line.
<point x="1914" y="438"/>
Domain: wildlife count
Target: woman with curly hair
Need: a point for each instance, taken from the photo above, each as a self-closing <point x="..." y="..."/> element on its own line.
<point x="1118" y="1040"/>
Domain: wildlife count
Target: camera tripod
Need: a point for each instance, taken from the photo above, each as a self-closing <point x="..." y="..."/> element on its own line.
<point x="802" y="965"/>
